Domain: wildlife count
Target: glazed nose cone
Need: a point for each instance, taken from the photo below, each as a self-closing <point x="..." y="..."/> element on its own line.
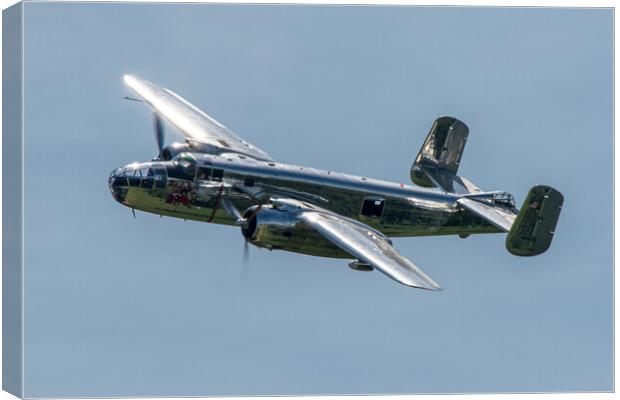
<point x="117" y="182"/>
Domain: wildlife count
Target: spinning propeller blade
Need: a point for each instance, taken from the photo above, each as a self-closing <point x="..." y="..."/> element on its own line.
<point x="246" y="252"/>
<point x="159" y="134"/>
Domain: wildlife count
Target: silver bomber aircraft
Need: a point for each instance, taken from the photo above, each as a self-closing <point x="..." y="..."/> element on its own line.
<point x="215" y="176"/>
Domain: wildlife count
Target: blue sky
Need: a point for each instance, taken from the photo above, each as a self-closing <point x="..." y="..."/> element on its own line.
<point x="156" y="306"/>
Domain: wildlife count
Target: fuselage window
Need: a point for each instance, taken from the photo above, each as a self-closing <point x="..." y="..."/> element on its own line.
<point x="217" y="175"/>
<point x="372" y="207"/>
<point x="175" y="171"/>
<point x="204" y="174"/>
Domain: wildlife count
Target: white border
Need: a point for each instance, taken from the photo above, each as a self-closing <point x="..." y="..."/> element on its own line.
<point x="480" y="3"/>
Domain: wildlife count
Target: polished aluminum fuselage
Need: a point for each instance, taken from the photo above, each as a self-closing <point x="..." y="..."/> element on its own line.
<point x="407" y="210"/>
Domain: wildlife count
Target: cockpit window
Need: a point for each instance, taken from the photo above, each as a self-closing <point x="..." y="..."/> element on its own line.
<point x="183" y="167"/>
<point x="142" y="175"/>
<point x="186" y="165"/>
<point x="159" y="173"/>
<point x="180" y="171"/>
<point x="217" y="175"/>
<point x="203" y="174"/>
<point x="147" y="182"/>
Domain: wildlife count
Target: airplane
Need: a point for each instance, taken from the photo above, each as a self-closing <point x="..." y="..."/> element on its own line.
<point x="217" y="177"/>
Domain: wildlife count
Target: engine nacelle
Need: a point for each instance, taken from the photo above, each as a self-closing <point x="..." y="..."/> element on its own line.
<point x="170" y="151"/>
<point x="275" y="229"/>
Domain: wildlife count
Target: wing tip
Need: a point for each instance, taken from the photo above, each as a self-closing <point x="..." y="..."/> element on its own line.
<point x="429" y="285"/>
<point x="131" y="80"/>
<point x="430" y="288"/>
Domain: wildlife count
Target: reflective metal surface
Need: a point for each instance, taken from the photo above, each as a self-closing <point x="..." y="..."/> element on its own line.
<point x="199" y="128"/>
<point x="369" y="248"/>
<point x="534" y="227"/>
<point x="437" y="163"/>
<point x="215" y="176"/>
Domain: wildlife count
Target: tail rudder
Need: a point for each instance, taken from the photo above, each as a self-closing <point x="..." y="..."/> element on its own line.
<point x="437" y="163"/>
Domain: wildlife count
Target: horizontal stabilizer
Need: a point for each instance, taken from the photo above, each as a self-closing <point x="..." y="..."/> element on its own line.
<point x="533" y="230"/>
<point x="501" y="217"/>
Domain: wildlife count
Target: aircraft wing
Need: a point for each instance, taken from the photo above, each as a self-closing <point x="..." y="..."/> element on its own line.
<point x="194" y="124"/>
<point x="368" y="246"/>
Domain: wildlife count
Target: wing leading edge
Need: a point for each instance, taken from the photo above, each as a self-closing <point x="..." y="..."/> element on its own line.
<point x="193" y="123"/>
<point x="368" y="246"/>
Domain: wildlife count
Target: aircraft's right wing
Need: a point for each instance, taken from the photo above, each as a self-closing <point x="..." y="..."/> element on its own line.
<point x="369" y="246"/>
<point x="194" y="124"/>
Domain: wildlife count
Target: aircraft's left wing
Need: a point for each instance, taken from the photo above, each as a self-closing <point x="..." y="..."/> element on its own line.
<point x="194" y="124"/>
<point x="360" y="240"/>
<point x="369" y="246"/>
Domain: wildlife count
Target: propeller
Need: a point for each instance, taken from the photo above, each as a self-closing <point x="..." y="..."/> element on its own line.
<point x="241" y="221"/>
<point x="159" y="134"/>
<point x="245" y="269"/>
<point x="246" y="252"/>
<point x="244" y="224"/>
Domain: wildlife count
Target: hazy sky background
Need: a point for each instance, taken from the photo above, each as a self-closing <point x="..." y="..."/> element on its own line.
<point x="157" y="306"/>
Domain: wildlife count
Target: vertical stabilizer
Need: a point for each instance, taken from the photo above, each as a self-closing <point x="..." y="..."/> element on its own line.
<point x="437" y="163"/>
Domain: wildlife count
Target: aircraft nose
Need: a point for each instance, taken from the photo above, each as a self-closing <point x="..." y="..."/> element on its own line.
<point x="118" y="184"/>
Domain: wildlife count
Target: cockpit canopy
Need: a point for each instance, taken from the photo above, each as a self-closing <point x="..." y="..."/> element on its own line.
<point x="140" y="175"/>
<point x="186" y="163"/>
<point x="154" y="174"/>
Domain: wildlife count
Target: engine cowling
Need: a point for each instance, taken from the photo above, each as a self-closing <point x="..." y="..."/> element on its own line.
<point x="170" y="151"/>
<point x="276" y="229"/>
